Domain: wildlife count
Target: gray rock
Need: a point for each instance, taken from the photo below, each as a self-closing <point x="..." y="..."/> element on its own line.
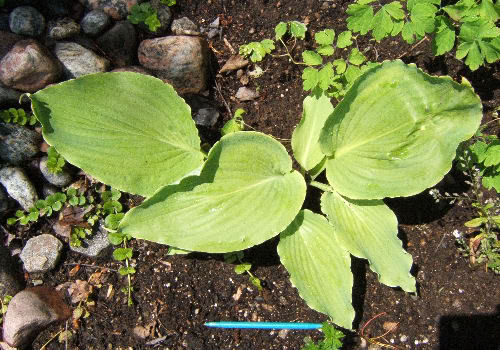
<point x="29" y="66"/>
<point x="8" y="97"/>
<point x="179" y="60"/>
<point x="97" y="245"/>
<point x="246" y="94"/>
<point x="184" y="26"/>
<point x="4" y="205"/>
<point x="62" y="29"/>
<point x="78" y="61"/>
<point x="18" y="143"/>
<point x="117" y="9"/>
<point x="120" y="43"/>
<point x="26" y="20"/>
<point x="60" y="179"/>
<point x="18" y="186"/>
<point x="30" y="311"/>
<point x="48" y="189"/>
<point x="204" y="113"/>
<point x="10" y="278"/>
<point x="95" y="22"/>
<point x="41" y="253"/>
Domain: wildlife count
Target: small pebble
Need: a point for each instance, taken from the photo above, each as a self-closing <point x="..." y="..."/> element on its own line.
<point x="26" y="20"/>
<point x="18" y="186"/>
<point x="95" y="22"/>
<point x="41" y="253"/>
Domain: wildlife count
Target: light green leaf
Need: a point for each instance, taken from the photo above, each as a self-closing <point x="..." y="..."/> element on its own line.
<point x="344" y="39"/>
<point x="492" y="156"/>
<point x="319" y="266"/>
<point x="310" y="78"/>
<point x="311" y="58"/>
<point x="476" y="222"/>
<point x="122" y="254"/>
<point x="325" y="77"/>
<point x="326" y="50"/>
<point x="382" y="143"/>
<point x="128" y="130"/>
<point x="325" y="37"/>
<point x="340" y="65"/>
<point x="280" y="30"/>
<point x="444" y="40"/>
<point x="360" y="18"/>
<point x="305" y="137"/>
<point x="382" y="24"/>
<point x="298" y="29"/>
<point x="368" y="229"/>
<point x="246" y="194"/>
<point x="356" y="57"/>
<point x="394" y="10"/>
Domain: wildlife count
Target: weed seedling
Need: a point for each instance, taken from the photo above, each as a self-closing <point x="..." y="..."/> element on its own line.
<point x="242" y="267"/>
<point x="17" y="116"/>
<point x="4" y="302"/>
<point x="123" y="254"/>
<point x="332" y="339"/>
<point x="55" y="162"/>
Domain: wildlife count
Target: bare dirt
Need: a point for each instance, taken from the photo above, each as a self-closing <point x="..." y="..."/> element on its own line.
<point x="457" y="306"/>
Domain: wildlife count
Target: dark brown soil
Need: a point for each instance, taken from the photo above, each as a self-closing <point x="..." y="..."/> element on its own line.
<point x="457" y="306"/>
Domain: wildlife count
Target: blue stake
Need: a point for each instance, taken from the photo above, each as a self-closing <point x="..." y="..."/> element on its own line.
<point x="264" y="325"/>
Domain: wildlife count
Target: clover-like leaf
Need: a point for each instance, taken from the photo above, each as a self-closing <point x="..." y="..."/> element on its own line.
<point x="246" y="194"/>
<point x="311" y="58"/>
<point x="128" y="130"/>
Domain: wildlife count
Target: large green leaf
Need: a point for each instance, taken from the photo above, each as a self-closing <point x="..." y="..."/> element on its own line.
<point x="128" y="130"/>
<point x="305" y="137"/>
<point x="319" y="267"/>
<point x="246" y="193"/>
<point x="368" y="229"/>
<point x="396" y="131"/>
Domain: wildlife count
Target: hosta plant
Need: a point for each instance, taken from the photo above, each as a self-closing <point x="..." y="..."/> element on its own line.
<point x="394" y="134"/>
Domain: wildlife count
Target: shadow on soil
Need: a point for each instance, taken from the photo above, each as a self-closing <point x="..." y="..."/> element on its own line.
<point x="481" y="332"/>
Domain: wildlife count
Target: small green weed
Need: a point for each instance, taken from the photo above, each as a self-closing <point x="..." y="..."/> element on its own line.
<point x="242" y="267"/>
<point x="17" y="116"/>
<point x="123" y="254"/>
<point x="4" y="302"/>
<point x="478" y="38"/>
<point x="334" y="76"/>
<point x="332" y="339"/>
<point x="480" y="162"/>
<point x="145" y="13"/>
<point x="235" y="124"/>
<point x="55" y="162"/>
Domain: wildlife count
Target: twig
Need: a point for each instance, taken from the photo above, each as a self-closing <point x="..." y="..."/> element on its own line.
<point x="441" y="241"/>
<point x="413" y="47"/>
<point x="223" y="99"/>
<point x="48" y="341"/>
<point x="92" y="266"/>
